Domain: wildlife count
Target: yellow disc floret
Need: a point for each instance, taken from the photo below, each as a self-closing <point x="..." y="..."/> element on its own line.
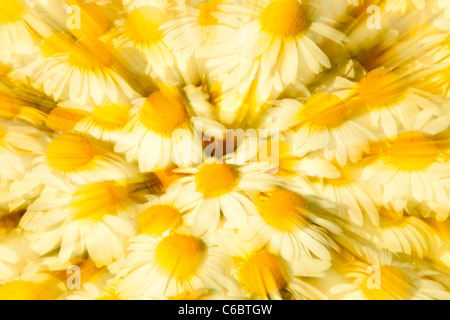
<point x="284" y="17"/>
<point x="216" y="179"/>
<point x="324" y="110"/>
<point x="2" y="135"/>
<point x="163" y="112"/>
<point x="64" y="119"/>
<point x="206" y="8"/>
<point x="413" y="150"/>
<point x="9" y="106"/>
<point x="283" y="209"/>
<point x="110" y="116"/>
<point x="28" y="290"/>
<point x="95" y="200"/>
<point x="57" y="43"/>
<point x="68" y="152"/>
<point x="10" y="10"/>
<point x="158" y="218"/>
<point x="180" y="255"/>
<point x="263" y="273"/>
<point x="381" y="88"/>
<point x="142" y="24"/>
<point x="90" y="53"/>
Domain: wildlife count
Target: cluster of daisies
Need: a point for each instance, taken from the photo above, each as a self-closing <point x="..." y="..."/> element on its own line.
<point x="224" y="149"/>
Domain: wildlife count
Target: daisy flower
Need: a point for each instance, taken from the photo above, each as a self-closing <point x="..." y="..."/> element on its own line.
<point x="84" y="71"/>
<point x="437" y="42"/>
<point x="390" y="280"/>
<point x="15" y="34"/>
<point x="294" y="226"/>
<point x="264" y="274"/>
<point x="275" y="42"/>
<point x="141" y="30"/>
<point x="413" y="166"/>
<point x="216" y="187"/>
<point x="325" y="123"/>
<point x="399" y="233"/>
<point x="170" y="265"/>
<point x="275" y="156"/>
<point x="392" y="100"/>
<point x="70" y="157"/>
<point x="160" y="129"/>
<point x="196" y="29"/>
<point x="63" y="119"/>
<point x="18" y="144"/>
<point x="14" y="108"/>
<point x="95" y="218"/>
<point x="103" y="122"/>
<point x="161" y="215"/>
<point x="276" y="153"/>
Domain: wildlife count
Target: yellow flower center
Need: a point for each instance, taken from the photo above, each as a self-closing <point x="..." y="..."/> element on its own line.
<point x="28" y="290"/>
<point x="4" y="69"/>
<point x="90" y="53"/>
<point x="180" y="255"/>
<point x="216" y="179"/>
<point x="395" y="284"/>
<point x="57" y="43"/>
<point x="93" y="20"/>
<point x="263" y="273"/>
<point x="111" y="116"/>
<point x="88" y="270"/>
<point x="69" y="152"/>
<point x="413" y="150"/>
<point x="10" y="10"/>
<point x="158" y="218"/>
<point x="391" y="215"/>
<point x="142" y="24"/>
<point x="381" y="87"/>
<point x="163" y="112"/>
<point x="324" y="110"/>
<point x="64" y="119"/>
<point x="163" y="179"/>
<point x="95" y="200"/>
<point x="9" y="106"/>
<point x="2" y="134"/>
<point x="284" y="17"/>
<point x="206" y="8"/>
<point x="282" y="209"/>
